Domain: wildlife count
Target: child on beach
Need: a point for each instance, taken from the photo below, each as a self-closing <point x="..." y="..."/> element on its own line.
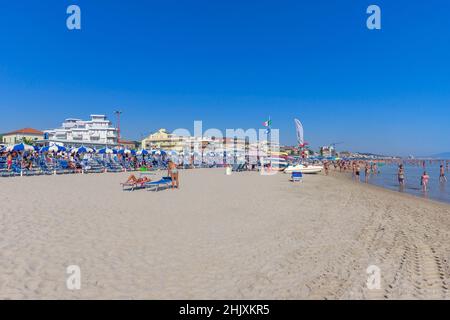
<point x="424" y="181"/>
<point x="9" y="162"/>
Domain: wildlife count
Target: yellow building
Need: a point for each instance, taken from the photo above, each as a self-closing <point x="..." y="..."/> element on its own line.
<point x="18" y="135"/>
<point x="163" y="140"/>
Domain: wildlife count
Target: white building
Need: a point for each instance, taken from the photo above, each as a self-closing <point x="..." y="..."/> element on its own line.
<point x="95" y="132"/>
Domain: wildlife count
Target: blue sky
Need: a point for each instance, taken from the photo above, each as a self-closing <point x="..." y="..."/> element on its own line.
<point x="232" y="64"/>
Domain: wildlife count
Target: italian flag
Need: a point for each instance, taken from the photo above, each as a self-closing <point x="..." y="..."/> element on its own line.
<point x="267" y="123"/>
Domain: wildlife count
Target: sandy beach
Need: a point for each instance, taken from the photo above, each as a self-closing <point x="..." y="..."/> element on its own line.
<point x="243" y="236"/>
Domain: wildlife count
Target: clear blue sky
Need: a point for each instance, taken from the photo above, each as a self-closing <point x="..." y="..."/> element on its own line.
<point x="232" y="64"/>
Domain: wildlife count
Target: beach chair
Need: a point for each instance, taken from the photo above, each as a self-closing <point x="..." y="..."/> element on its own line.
<point x="296" y="177"/>
<point x="130" y="186"/>
<point x="164" y="181"/>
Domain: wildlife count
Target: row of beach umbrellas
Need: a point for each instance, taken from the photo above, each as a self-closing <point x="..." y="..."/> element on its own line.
<point x="21" y="147"/>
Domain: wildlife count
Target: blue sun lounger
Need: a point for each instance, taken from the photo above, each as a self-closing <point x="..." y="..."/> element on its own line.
<point x="164" y="181"/>
<point x="297" y="177"/>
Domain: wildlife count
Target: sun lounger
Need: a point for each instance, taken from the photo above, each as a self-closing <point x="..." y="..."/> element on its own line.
<point x="296" y="177"/>
<point x="164" y="181"/>
<point x="130" y="186"/>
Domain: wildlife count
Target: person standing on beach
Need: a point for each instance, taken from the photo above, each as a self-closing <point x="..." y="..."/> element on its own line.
<point x="172" y="171"/>
<point x="9" y="162"/>
<point x="353" y="170"/>
<point x="424" y="181"/>
<point x="357" y="172"/>
<point x="326" y="167"/>
<point x="367" y="172"/>
<point x="442" y="177"/>
<point x="401" y="175"/>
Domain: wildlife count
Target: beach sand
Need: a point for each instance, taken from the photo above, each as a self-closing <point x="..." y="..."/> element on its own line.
<point x="243" y="236"/>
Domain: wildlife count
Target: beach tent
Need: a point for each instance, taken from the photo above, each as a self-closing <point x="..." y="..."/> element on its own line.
<point x="20" y="147"/>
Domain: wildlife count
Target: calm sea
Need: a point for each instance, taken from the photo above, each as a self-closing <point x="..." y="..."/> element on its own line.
<point x="387" y="178"/>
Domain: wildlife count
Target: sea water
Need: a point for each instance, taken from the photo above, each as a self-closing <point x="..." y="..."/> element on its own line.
<point x="387" y="178"/>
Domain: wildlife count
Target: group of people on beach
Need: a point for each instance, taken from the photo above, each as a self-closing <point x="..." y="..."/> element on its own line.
<point x="424" y="178"/>
<point x="367" y="168"/>
<point x="356" y="167"/>
<point x="172" y="172"/>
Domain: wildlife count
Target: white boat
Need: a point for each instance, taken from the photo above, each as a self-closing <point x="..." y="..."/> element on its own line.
<point x="277" y="164"/>
<point x="303" y="168"/>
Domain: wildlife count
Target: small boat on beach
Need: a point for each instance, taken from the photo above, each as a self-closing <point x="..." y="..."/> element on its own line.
<point x="303" y="168"/>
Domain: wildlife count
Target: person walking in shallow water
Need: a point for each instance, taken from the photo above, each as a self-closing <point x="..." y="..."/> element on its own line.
<point x="424" y="181"/>
<point x="401" y="175"/>
<point x="357" y="172"/>
<point x="366" y="172"/>
<point x="442" y="177"/>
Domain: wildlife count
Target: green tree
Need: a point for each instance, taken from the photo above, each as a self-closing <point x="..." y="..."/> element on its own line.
<point x="28" y="141"/>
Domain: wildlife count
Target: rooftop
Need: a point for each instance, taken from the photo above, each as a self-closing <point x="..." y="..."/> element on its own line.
<point x="25" y="131"/>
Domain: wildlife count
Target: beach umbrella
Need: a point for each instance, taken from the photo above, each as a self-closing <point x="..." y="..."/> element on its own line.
<point x="160" y="152"/>
<point x="20" y="147"/>
<point x="143" y="152"/>
<point x="82" y="149"/>
<point x="172" y="152"/>
<point x="36" y="148"/>
<point x="55" y="148"/>
<point x="124" y="151"/>
<point x="106" y="150"/>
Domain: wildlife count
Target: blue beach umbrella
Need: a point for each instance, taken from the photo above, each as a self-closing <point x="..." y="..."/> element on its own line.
<point x="105" y="151"/>
<point x="160" y="152"/>
<point x="20" y="147"/>
<point x="54" y="148"/>
<point x="124" y="151"/>
<point x="143" y="152"/>
<point x="82" y="149"/>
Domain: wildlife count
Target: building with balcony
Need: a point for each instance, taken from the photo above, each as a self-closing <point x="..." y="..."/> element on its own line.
<point x="96" y="132"/>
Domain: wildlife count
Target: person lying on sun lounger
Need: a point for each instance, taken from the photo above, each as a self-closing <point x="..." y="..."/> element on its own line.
<point x="133" y="180"/>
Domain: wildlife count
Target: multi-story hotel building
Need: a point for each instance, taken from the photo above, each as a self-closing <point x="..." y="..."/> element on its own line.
<point x="96" y="132"/>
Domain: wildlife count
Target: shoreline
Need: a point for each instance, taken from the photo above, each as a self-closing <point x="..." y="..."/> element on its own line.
<point x="243" y="236"/>
<point x="347" y="176"/>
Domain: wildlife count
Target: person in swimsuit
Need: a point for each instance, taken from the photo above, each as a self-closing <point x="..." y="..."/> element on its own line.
<point x="9" y="162"/>
<point x="132" y="179"/>
<point x="172" y="172"/>
<point x="442" y="177"/>
<point x="401" y="175"/>
<point x="424" y="181"/>
<point x="367" y="172"/>
<point x="357" y="171"/>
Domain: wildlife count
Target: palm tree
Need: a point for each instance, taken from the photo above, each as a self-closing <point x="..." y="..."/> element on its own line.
<point x="28" y="141"/>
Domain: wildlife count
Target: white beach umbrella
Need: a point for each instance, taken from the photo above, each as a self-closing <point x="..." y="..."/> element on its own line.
<point x="105" y="151"/>
<point x="20" y="147"/>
